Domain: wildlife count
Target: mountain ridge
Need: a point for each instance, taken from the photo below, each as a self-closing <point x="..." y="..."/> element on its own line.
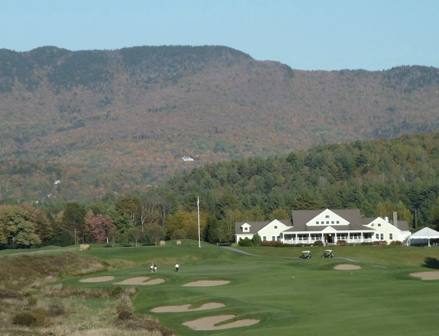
<point x="134" y="112"/>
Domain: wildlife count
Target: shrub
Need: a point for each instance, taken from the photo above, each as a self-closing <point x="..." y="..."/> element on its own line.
<point x="318" y="243"/>
<point x="116" y="291"/>
<point x="342" y="242"/>
<point x="41" y="316"/>
<point x="256" y="240"/>
<point x="24" y="319"/>
<point x="125" y="308"/>
<point x="32" y="301"/>
<point x="245" y="242"/>
<point x="37" y="317"/>
<point x="431" y="262"/>
<point x="56" y="309"/>
<point x="366" y="243"/>
<point x="274" y="244"/>
<point x="379" y="243"/>
<point x="396" y="243"/>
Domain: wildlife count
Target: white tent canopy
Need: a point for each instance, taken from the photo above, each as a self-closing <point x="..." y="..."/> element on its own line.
<point x="424" y="234"/>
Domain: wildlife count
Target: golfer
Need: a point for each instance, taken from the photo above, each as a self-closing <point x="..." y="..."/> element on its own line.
<point x="177" y="267"/>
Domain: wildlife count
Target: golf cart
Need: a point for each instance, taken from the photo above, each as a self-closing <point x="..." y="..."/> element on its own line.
<point x="305" y="255"/>
<point x="328" y="254"/>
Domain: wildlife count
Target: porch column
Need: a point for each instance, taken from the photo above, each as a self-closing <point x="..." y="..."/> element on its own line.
<point x="349" y="237"/>
<point x="323" y="239"/>
<point x="335" y="238"/>
<point x="362" y="237"/>
<point x="309" y="237"/>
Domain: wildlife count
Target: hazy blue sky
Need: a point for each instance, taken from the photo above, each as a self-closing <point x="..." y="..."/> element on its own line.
<point x="319" y="34"/>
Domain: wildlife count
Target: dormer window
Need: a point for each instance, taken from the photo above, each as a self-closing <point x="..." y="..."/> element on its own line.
<point x="245" y="228"/>
<point x="327" y="216"/>
<point x="317" y="222"/>
<point x="275" y="227"/>
<point x="338" y="222"/>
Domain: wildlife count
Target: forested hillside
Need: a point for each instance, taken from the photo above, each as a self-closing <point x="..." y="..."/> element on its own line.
<point x="133" y="113"/>
<point x="378" y="177"/>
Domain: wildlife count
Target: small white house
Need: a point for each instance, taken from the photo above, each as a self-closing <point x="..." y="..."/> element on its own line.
<point x="267" y="230"/>
<point x="386" y="231"/>
<point x="187" y="158"/>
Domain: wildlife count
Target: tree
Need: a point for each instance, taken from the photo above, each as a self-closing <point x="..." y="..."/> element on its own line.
<point x="136" y="234"/>
<point x="17" y="227"/>
<point x="186" y="220"/>
<point x="434" y="214"/>
<point x="155" y="233"/>
<point x="256" y="240"/>
<point x="73" y="220"/>
<point x="100" y="227"/>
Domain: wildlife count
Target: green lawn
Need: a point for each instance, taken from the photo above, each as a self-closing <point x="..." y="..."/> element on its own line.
<point x="288" y="295"/>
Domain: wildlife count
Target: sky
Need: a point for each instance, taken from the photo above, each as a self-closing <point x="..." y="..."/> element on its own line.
<point x="306" y="34"/>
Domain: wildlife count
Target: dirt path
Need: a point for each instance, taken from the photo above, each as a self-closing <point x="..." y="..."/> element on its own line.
<point x="97" y="279"/>
<point x="211" y="323"/>
<point x="206" y="283"/>
<point x="140" y="281"/>
<point x="187" y="308"/>
<point x="430" y="275"/>
<point x="347" y="267"/>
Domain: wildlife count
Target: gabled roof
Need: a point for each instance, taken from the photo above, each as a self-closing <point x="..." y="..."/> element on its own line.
<point x="425" y="233"/>
<point x="256" y="226"/>
<point x="353" y="216"/>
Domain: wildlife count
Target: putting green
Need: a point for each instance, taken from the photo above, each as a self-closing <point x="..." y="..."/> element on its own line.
<point x="288" y="295"/>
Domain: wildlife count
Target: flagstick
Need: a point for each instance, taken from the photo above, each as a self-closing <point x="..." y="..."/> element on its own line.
<point x="198" y="213"/>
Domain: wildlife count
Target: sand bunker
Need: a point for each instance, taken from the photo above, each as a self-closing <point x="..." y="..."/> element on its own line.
<point x="211" y="323"/>
<point x="187" y="308"/>
<point x="140" y="281"/>
<point x="347" y="267"/>
<point x="431" y="275"/>
<point x="206" y="283"/>
<point x="98" y="279"/>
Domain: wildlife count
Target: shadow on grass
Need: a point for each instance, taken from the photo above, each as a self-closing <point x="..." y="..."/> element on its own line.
<point x="431" y="262"/>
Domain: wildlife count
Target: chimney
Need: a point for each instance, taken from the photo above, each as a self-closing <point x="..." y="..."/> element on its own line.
<point x="395" y="218"/>
<point x="386" y="219"/>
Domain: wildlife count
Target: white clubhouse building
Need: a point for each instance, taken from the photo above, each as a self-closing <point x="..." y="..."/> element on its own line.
<point x="326" y="225"/>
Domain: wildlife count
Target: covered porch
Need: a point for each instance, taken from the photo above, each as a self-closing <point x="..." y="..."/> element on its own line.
<point x="327" y="238"/>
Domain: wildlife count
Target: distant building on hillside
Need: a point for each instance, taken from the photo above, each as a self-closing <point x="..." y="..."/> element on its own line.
<point x="326" y="225"/>
<point x="187" y="158"/>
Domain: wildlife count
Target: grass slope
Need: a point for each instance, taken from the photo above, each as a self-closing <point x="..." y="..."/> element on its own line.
<point x="288" y="295"/>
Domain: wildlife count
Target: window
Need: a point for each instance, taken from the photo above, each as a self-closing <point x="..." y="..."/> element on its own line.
<point x="382" y="236"/>
<point x="275" y="227"/>
<point x="317" y="222"/>
<point x="327" y="216"/>
<point x="390" y="236"/>
<point x="332" y="222"/>
<point x="377" y="236"/>
<point x="273" y="238"/>
<point x="338" y="222"/>
<point x="373" y="224"/>
<point x="264" y="238"/>
<point x="278" y="238"/>
<point x="327" y="222"/>
<point x="379" y="224"/>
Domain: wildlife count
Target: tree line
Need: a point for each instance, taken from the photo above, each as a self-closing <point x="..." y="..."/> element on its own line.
<point x="378" y="177"/>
